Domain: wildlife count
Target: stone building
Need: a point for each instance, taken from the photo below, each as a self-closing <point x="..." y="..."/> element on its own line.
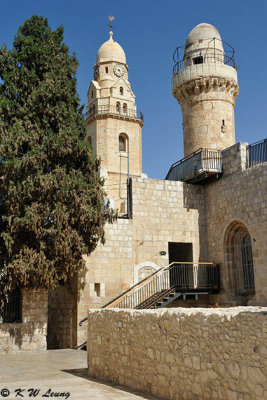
<point x="208" y="218"/>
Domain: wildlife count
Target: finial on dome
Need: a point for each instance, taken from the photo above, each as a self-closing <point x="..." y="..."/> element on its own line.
<point x="110" y="18"/>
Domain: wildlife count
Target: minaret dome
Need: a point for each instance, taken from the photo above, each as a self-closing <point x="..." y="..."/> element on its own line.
<point x="204" y="39"/>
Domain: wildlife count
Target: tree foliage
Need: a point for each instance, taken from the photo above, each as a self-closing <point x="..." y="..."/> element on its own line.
<point x="51" y="197"/>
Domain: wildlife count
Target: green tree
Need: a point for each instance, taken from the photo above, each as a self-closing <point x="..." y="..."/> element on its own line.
<point x="51" y="197"/>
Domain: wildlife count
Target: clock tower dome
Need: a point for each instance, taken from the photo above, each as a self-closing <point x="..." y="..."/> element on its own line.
<point x="114" y="126"/>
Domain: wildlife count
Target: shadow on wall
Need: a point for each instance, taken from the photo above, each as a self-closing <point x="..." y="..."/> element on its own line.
<point x="193" y="198"/>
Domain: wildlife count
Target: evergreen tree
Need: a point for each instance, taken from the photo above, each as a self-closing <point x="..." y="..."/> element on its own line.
<point x="51" y="197"/>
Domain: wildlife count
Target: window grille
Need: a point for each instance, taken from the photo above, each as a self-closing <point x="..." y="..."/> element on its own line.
<point x="10" y="311"/>
<point x="240" y="258"/>
<point x="247" y="263"/>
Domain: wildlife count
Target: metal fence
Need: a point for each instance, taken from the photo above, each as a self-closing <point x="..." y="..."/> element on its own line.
<point x="114" y="110"/>
<point x="10" y="307"/>
<point x="257" y="153"/>
<point x="213" y="59"/>
<point x="184" y="277"/>
<point x="203" y="160"/>
<point x="211" y="54"/>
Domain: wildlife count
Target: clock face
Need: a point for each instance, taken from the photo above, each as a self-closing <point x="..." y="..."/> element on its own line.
<point x="118" y="70"/>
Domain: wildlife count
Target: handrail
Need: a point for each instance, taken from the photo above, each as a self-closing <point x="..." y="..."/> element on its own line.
<point x="203" y="159"/>
<point x="129" y="289"/>
<point x="227" y="56"/>
<point x="192" y="154"/>
<point x="147" y="279"/>
<point x="114" y="110"/>
<point x="257" y="153"/>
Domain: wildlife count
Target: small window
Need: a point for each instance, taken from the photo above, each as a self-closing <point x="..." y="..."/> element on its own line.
<point x="118" y="107"/>
<point x="124" y="108"/>
<point x="123" y="142"/>
<point x="92" y="94"/>
<point x="11" y="310"/>
<point x="90" y="140"/>
<point x="198" y="60"/>
<point x="121" y="90"/>
<point x="106" y="70"/>
<point x="223" y="122"/>
<point x="97" y="289"/>
<point x="93" y="109"/>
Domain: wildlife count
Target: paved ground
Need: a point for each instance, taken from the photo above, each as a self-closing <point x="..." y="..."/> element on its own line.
<point x="57" y="374"/>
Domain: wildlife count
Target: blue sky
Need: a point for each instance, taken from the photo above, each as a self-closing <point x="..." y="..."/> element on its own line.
<point x="149" y="31"/>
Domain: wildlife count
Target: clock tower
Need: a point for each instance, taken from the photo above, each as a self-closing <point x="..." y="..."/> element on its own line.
<point x="114" y="126"/>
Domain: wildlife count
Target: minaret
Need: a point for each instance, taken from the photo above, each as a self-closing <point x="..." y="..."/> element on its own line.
<point x="205" y="85"/>
<point x="114" y="126"/>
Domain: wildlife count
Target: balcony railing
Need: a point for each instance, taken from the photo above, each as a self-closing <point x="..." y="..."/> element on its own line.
<point x="257" y="153"/>
<point x="114" y="110"/>
<point x="209" y="55"/>
<point x="198" y="167"/>
<point x="185" y="278"/>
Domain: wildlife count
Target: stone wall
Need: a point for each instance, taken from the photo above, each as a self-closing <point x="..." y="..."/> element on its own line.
<point x="62" y="309"/>
<point x="30" y="334"/>
<point x="238" y="197"/>
<point x="163" y="211"/>
<point x="182" y="354"/>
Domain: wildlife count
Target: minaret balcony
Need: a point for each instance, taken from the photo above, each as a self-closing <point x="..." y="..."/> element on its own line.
<point x="198" y="168"/>
<point x="114" y="111"/>
<point x="210" y="55"/>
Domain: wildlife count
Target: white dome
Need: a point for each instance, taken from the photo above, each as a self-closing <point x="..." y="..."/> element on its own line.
<point x="111" y="51"/>
<point x="202" y="38"/>
<point x="201" y="32"/>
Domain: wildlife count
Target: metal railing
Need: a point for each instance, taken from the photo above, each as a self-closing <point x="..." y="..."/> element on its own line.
<point x="257" y="153"/>
<point x="217" y="59"/>
<point x="183" y="277"/>
<point x="211" y="54"/>
<point x="10" y="309"/>
<point x="203" y="161"/>
<point x="114" y="110"/>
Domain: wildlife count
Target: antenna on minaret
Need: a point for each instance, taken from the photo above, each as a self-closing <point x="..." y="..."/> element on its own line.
<point x="110" y="18"/>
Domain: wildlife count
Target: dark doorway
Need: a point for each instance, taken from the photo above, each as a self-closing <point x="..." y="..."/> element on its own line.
<point x="180" y="252"/>
<point x="181" y="275"/>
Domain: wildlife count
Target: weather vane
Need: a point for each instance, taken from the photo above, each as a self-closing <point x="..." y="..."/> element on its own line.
<point x="110" y="18"/>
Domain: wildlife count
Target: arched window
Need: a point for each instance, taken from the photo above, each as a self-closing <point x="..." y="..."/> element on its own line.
<point x="118" y="107"/>
<point x="123" y="142"/>
<point x="239" y="259"/>
<point x="121" y="90"/>
<point x="124" y="108"/>
<point x="93" y="109"/>
<point x="145" y="272"/>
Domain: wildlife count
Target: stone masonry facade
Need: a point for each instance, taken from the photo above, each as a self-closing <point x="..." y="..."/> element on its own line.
<point x="185" y="354"/>
<point x="169" y="211"/>
<point x="240" y="195"/>
<point x="30" y="334"/>
<point x="163" y="211"/>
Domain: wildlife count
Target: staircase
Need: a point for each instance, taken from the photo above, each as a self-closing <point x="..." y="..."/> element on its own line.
<point x="177" y="280"/>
